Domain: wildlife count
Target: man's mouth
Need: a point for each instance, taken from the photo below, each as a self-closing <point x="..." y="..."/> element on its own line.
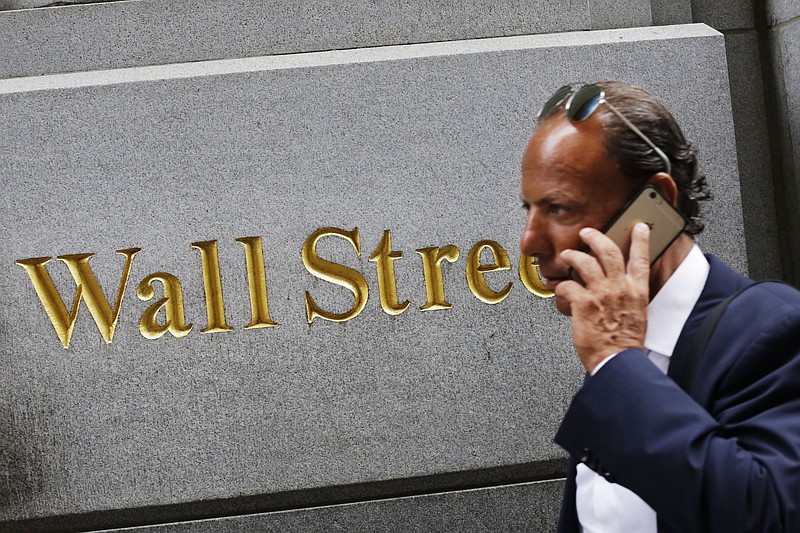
<point x="551" y="281"/>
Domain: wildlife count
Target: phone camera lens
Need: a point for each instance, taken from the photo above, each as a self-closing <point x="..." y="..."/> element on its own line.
<point x="652" y="194"/>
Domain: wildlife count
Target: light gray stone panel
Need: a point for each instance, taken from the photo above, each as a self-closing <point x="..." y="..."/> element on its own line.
<point x="607" y="14"/>
<point x="785" y="40"/>
<point x="755" y="158"/>
<point x="424" y="140"/>
<point x="137" y="33"/>
<point x="666" y="12"/>
<point x="724" y="14"/>
<point x="529" y="507"/>
<point x="782" y="10"/>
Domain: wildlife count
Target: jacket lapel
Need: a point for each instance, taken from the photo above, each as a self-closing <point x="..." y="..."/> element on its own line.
<point x="721" y="283"/>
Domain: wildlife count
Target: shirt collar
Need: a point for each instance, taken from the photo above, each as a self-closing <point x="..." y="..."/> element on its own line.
<point x="671" y="307"/>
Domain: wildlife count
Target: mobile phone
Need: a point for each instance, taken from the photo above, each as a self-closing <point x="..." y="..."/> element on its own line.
<point x="649" y="206"/>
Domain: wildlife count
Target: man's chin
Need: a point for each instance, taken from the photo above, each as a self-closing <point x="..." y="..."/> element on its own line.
<point x="563" y="306"/>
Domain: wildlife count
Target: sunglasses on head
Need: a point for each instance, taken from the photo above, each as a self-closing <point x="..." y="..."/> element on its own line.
<point x="581" y="102"/>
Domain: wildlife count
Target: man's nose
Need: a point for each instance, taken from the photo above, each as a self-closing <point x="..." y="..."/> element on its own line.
<point x="534" y="240"/>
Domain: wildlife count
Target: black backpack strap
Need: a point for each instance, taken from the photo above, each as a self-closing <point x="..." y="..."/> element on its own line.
<point x="698" y="346"/>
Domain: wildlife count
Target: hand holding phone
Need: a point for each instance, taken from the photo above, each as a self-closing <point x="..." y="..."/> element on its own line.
<point x="666" y="223"/>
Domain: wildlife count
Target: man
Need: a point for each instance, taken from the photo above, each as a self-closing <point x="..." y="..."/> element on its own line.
<point x="645" y="454"/>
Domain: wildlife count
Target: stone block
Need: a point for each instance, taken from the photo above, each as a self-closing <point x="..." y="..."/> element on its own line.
<point x="128" y="34"/>
<point x="184" y="160"/>
<point x="667" y="12"/>
<point x="784" y="40"/>
<point x="788" y="41"/>
<point x="724" y="14"/>
<point x="523" y="507"/>
<point x="607" y="14"/>
<point x="782" y="11"/>
<point x="754" y="155"/>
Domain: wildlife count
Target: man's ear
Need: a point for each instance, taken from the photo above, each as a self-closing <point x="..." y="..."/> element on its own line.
<point x="664" y="184"/>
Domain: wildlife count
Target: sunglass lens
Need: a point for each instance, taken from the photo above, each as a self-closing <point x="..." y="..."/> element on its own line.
<point x="554" y="100"/>
<point x="584" y="102"/>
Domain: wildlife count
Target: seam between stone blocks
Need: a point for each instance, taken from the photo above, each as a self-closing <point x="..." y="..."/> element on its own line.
<point x="54" y="5"/>
<point x="301" y="499"/>
<point x="784" y="23"/>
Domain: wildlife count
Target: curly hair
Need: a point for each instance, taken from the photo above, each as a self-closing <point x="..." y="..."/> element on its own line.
<point x="638" y="161"/>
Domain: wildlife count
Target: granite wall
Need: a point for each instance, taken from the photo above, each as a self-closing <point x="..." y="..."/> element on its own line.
<point x="763" y="75"/>
<point x="757" y="35"/>
<point x="782" y="26"/>
<point x="275" y="165"/>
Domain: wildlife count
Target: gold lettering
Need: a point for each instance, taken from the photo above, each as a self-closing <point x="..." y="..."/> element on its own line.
<point x="529" y="274"/>
<point x="476" y="271"/>
<point x="256" y="283"/>
<point x="215" y="308"/>
<point x="384" y="258"/>
<point x="172" y="302"/>
<point x="434" y="286"/>
<point x="334" y="273"/>
<point x="87" y="289"/>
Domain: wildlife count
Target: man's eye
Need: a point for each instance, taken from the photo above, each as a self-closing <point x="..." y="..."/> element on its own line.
<point x="557" y="209"/>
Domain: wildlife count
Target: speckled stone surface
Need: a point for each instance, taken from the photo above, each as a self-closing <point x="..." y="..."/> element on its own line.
<point x="424" y="140"/>
<point x="755" y="158"/>
<point x="138" y="33"/>
<point x="787" y="40"/>
<point x="724" y="14"/>
<point x="607" y="14"/>
<point x="667" y="12"/>
<point x="784" y="41"/>
<point x="782" y="10"/>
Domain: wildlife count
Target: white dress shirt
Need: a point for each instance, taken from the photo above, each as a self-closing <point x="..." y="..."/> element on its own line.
<point x="607" y="507"/>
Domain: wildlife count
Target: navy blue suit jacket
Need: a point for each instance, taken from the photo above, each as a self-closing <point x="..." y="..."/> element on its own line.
<point x="725" y="458"/>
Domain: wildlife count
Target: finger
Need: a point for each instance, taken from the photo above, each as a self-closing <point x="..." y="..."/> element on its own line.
<point x="639" y="262"/>
<point x="607" y="252"/>
<point x="584" y="266"/>
<point x="570" y="290"/>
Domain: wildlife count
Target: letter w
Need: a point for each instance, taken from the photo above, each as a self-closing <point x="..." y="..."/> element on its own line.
<point x="87" y="289"/>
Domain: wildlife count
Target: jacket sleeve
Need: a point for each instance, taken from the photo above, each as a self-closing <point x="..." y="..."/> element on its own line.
<point x="728" y="463"/>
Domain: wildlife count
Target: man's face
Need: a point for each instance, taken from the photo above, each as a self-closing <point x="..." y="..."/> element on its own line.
<point x="569" y="182"/>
